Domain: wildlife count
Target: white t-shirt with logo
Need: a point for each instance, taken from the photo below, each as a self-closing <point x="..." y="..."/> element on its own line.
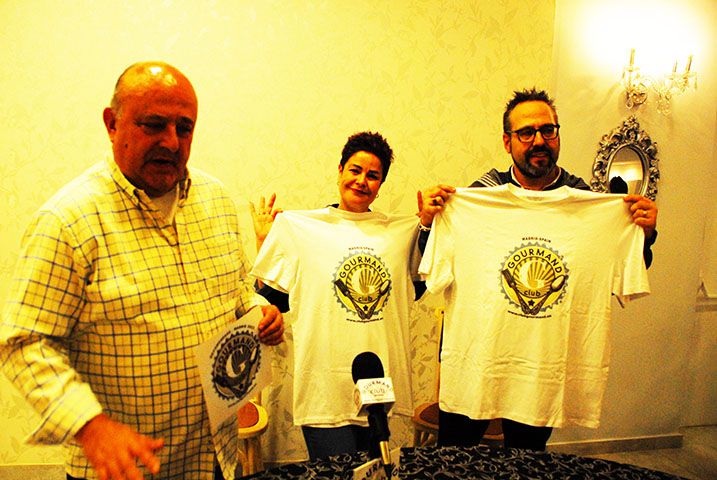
<point x="527" y="278"/>
<point x="350" y="291"/>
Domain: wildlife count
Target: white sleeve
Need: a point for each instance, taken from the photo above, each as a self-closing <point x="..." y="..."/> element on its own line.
<point x="630" y="277"/>
<point x="437" y="264"/>
<point x="277" y="263"/>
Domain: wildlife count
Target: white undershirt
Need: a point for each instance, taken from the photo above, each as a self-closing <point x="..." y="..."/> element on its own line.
<point x="167" y="203"/>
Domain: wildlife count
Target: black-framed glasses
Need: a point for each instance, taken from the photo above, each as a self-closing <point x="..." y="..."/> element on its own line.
<point x="549" y="131"/>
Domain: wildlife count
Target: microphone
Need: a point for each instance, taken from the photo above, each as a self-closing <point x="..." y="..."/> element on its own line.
<point x="374" y="397"/>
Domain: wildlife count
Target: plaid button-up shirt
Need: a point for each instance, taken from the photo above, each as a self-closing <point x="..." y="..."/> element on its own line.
<point x="109" y="301"/>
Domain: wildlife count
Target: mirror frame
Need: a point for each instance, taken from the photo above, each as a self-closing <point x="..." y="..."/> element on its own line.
<point x="627" y="135"/>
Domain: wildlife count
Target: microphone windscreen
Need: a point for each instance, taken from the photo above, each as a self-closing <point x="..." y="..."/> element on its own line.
<point x="366" y="365"/>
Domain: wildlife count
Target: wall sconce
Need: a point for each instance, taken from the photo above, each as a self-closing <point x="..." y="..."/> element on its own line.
<point x="637" y="86"/>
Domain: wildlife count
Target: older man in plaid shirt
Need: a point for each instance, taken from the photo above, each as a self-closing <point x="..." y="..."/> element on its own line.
<point x="122" y="273"/>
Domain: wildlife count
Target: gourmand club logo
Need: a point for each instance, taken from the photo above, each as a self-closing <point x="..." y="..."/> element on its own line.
<point x="362" y="285"/>
<point x="235" y="363"/>
<point x="534" y="278"/>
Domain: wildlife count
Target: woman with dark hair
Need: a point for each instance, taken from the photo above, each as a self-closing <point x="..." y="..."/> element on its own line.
<point x="345" y="274"/>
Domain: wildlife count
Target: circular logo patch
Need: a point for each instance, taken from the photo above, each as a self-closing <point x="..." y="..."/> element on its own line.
<point x="236" y="363"/>
<point x="534" y="278"/>
<point x="362" y="285"/>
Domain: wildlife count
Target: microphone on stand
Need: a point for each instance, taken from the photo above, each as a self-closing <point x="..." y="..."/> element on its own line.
<point x="374" y="397"/>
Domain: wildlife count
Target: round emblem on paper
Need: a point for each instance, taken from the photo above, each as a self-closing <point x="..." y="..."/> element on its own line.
<point x="534" y="278"/>
<point x="236" y="362"/>
<point x="362" y="285"/>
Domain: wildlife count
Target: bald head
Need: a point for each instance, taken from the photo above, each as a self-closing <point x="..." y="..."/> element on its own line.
<point x="151" y="123"/>
<point x="138" y="77"/>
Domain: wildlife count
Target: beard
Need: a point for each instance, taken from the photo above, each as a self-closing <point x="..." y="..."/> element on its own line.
<point x="536" y="171"/>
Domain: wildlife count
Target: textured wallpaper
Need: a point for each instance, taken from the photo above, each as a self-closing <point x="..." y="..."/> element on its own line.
<point x="281" y="85"/>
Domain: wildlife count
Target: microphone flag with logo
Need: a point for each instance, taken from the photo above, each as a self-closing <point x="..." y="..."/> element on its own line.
<point x="374" y="397"/>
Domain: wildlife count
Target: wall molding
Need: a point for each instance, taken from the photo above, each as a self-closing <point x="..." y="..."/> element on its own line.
<point x="44" y="471"/>
<point x="614" y="445"/>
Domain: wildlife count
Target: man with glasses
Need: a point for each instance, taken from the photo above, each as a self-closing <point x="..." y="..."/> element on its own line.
<point x="531" y="135"/>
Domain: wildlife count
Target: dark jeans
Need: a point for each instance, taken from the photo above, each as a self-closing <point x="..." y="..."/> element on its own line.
<point x="458" y="430"/>
<point x="324" y="442"/>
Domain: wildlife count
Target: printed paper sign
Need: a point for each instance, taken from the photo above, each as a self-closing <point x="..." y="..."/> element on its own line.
<point x="373" y="469"/>
<point x="234" y="366"/>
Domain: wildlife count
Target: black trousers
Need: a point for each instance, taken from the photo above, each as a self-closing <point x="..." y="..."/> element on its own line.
<point x="458" y="430"/>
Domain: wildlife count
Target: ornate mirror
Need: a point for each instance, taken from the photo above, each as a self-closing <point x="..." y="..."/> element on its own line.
<point x="626" y="162"/>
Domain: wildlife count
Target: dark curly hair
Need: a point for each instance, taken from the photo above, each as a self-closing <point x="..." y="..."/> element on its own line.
<point x="526" y="96"/>
<point x="372" y="143"/>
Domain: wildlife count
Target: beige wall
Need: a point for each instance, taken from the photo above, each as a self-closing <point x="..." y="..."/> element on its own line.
<point x="659" y="344"/>
<point x="282" y="84"/>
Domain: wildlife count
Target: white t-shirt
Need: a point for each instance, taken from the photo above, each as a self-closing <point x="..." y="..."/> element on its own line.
<point x="350" y="290"/>
<point x="527" y="278"/>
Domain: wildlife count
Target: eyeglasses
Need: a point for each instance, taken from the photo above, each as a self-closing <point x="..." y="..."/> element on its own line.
<point x="549" y="131"/>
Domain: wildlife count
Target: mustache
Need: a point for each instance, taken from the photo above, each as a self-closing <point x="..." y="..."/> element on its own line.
<point x="162" y="153"/>
<point x="539" y="149"/>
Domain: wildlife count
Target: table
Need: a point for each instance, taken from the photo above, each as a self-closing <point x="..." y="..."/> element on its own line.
<point x="470" y="463"/>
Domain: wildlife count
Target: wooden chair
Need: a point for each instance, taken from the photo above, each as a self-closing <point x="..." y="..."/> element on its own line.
<point x="425" y="424"/>
<point x="252" y="420"/>
<point x="425" y="416"/>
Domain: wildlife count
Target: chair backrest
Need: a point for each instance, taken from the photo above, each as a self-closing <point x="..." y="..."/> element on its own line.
<point x="252" y="419"/>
